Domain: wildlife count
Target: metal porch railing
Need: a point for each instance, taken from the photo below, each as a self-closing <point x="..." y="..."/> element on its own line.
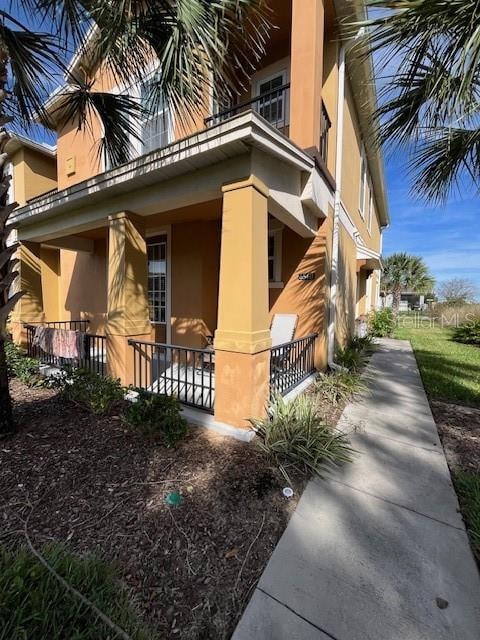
<point x="95" y="347"/>
<point x="291" y="363"/>
<point x="183" y="372"/>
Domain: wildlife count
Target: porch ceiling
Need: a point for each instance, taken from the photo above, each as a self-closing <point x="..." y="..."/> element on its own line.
<point x="185" y="173"/>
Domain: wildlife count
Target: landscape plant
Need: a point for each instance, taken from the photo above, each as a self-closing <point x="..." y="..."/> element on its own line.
<point x="91" y="391"/>
<point x="336" y="387"/>
<point x="298" y="440"/>
<point x="34" y="603"/>
<point x="468" y="333"/>
<point x="21" y="366"/>
<point x="381" y="322"/>
<point x="427" y="55"/>
<point x="203" y="48"/>
<point x="158" y="416"/>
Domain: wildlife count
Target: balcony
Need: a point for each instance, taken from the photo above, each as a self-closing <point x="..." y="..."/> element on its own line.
<point x="273" y="106"/>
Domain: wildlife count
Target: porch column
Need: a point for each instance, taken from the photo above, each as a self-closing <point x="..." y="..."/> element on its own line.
<point x="127" y="293"/>
<point x="242" y="339"/>
<point x="30" y="306"/>
<point x="306" y="74"/>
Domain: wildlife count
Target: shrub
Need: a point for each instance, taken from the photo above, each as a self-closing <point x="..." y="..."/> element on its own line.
<point x="295" y="437"/>
<point x="157" y="415"/>
<point x="381" y="322"/>
<point x="337" y="387"/>
<point x="469" y="333"/>
<point x="21" y="366"/>
<point x="91" y="391"/>
<point x="33" y="603"/>
<point x="361" y="343"/>
<point x="350" y="358"/>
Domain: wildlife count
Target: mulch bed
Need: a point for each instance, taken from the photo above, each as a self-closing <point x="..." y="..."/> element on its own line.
<point x="459" y="429"/>
<point x="97" y="487"/>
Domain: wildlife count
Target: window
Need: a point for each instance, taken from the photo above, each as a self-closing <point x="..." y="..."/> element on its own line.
<point x="157" y="279"/>
<point x="363" y="183"/>
<point x="275" y="257"/>
<point x="272" y="103"/>
<point x="157" y="125"/>
<point x="370" y="211"/>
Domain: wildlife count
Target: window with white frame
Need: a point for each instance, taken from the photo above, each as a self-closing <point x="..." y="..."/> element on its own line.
<point x="157" y="279"/>
<point x="272" y="104"/>
<point x="275" y="257"/>
<point x="363" y="182"/>
<point x="156" y="126"/>
<point x="370" y="210"/>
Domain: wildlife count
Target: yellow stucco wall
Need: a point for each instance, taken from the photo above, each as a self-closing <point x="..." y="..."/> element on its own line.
<point x="82" y="286"/>
<point x="346" y="288"/>
<point x="34" y="173"/>
<point x="352" y="145"/>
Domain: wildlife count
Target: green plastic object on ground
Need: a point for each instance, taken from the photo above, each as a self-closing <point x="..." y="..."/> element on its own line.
<point x="173" y="499"/>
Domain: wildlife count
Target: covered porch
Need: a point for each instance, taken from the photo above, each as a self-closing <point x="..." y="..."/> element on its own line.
<point x="180" y="260"/>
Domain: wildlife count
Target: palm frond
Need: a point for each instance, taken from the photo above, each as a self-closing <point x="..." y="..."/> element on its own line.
<point x="118" y="115"/>
<point x="430" y="53"/>
<point x="33" y="57"/>
<point x="443" y="159"/>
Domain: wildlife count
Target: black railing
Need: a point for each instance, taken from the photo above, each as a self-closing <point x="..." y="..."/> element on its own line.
<point x="273" y="106"/>
<point x="188" y="374"/>
<point x="94" y="348"/>
<point x="69" y="325"/>
<point x="325" y="125"/>
<point x="291" y="363"/>
<point x="42" y="195"/>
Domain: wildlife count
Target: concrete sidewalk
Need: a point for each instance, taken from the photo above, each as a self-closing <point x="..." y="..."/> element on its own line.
<point x="378" y="549"/>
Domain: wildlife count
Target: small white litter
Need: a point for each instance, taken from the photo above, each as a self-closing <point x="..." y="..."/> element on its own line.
<point x="288" y="492"/>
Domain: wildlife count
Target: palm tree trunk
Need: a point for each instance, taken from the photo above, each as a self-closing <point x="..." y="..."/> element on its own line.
<point x="396" y="298"/>
<point x="6" y="262"/>
<point x="6" y="417"/>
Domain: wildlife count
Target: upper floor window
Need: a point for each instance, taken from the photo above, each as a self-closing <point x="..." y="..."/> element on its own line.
<point x="370" y="210"/>
<point x="273" y="98"/>
<point x="363" y="183"/>
<point x="156" y="126"/>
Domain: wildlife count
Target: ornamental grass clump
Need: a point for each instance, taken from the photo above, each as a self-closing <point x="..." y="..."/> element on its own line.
<point x="337" y="387"/>
<point x="297" y="439"/>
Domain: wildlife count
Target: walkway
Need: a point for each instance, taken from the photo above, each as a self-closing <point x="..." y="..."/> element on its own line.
<point x="378" y="551"/>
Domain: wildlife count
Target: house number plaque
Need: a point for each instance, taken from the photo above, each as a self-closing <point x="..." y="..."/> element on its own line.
<point x="306" y="276"/>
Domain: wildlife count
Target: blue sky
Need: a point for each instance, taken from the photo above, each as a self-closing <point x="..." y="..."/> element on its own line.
<point x="447" y="237"/>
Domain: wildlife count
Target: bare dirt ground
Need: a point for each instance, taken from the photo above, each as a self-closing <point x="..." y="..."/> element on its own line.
<point x="99" y="488"/>
<point x="459" y="429"/>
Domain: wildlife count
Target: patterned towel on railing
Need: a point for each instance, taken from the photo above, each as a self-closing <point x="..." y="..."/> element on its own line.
<point x="69" y="344"/>
<point x="43" y="338"/>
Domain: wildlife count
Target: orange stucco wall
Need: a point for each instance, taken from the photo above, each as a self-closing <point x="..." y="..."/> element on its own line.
<point x="308" y="299"/>
<point x="195" y="260"/>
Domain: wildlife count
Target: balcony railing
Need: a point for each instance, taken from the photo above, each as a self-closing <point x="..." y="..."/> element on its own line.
<point x="291" y="363"/>
<point x="273" y="106"/>
<point x="188" y="374"/>
<point x="94" y="348"/>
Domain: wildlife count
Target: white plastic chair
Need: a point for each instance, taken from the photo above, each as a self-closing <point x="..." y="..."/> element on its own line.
<point x="283" y="328"/>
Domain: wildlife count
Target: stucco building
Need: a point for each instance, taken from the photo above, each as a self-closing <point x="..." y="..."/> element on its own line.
<point x="273" y="206"/>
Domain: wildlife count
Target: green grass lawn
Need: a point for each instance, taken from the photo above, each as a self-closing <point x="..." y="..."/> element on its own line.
<point x="450" y="370"/>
